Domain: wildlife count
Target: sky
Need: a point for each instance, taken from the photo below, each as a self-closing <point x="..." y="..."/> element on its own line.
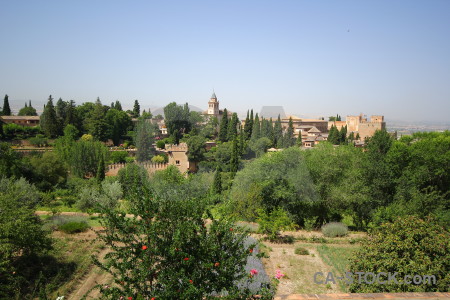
<point x="314" y="58"/>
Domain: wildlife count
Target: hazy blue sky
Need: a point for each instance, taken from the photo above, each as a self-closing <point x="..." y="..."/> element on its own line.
<point x="314" y="58"/>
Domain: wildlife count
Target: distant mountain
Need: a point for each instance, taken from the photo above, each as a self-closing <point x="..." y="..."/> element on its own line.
<point x="272" y="112"/>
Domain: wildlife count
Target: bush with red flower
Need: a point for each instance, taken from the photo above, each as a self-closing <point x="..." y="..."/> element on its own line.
<point x="165" y="251"/>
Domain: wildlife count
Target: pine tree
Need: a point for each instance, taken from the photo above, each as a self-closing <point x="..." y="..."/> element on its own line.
<point x="100" y="176"/>
<point x="136" y="109"/>
<point x="223" y="130"/>
<point x="6" y="108"/>
<point x="256" y="133"/>
<point x="217" y="184"/>
<point x="49" y="121"/>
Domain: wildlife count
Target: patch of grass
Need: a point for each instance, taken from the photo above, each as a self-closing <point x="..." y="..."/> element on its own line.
<point x="252" y="227"/>
<point x="60" y="207"/>
<point x="301" y="251"/>
<point x="334" y="229"/>
<point x="73" y="227"/>
<point x="77" y="253"/>
<point x="338" y="258"/>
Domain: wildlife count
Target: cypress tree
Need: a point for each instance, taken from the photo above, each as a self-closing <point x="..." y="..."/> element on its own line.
<point x="343" y="135"/>
<point x="256" y="132"/>
<point x="232" y="127"/>
<point x="136" y="109"/>
<point x="6" y="107"/>
<point x="357" y="137"/>
<point x="49" y="121"/>
<point x="278" y="133"/>
<point x="30" y="103"/>
<point x="234" y="161"/>
<point x="118" y="106"/>
<point x="289" y="139"/>
<point x="223" y="130"/>
<point x="333" y="135"/>
<point x="246" y="126"/>
<point x="217" y="184"/>
<point x="241" y="142"/>
<point x="299" y="139"/>
<point x="100" y="176"/>
<point x="70" y="113"/>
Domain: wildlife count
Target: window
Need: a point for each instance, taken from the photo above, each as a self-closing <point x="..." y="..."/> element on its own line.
<point x="177" y="162"/>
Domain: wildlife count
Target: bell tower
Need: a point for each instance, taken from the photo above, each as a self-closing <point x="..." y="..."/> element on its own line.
<point x="213" y="105"/>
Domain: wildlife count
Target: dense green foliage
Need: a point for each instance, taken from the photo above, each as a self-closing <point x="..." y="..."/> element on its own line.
<point x="22" y="241"/>
<point x="73" y="227"/>
<point x="409" y="246"/>
<point x="166" y="250"/>
<point x="279" y="179"/>
<point x="27" y="110"/>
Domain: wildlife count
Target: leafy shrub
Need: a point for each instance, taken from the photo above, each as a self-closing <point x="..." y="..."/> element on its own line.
<point x="132" y="178"/>
<point x="166" y="251"/>
<point x="409" y="246"/>
<point x="38" y="141"/>
<point x="73" y="227"/>
<point x="161" y="144"/>
<point x="334" y="229"/>
<point x="118" y="156"/>
<point x="54" y="222"/>
<point x="158" y="159"/>
<point x="272" y="223"/>
<point x="301" y="251"/>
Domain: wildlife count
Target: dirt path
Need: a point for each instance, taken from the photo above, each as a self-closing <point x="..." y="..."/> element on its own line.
<point x="299" y="270"/>
<point x="94" y="277"/>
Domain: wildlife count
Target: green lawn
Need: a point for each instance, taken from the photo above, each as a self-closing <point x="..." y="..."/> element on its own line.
<point x="337" y="257"/>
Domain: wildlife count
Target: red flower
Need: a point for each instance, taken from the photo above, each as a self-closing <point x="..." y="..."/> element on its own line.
<point x="144" y="247"/>
<point x="130" y="298"/>
<point x="153" y="298"/>
<point x="231" y="229"/>
<point x="251" y="250"/>
<point x="190" y="281"/>
<point x="216" y="264"/>
<point x="186" y="258"/>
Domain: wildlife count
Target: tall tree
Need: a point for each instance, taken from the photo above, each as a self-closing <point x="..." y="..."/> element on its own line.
<point x="96" y="123"/>
<point x="289" y="139"/>
<point x="256" y="132"/>
<point x="71" y="114"/>
<point x="248" y="127"/>
<point x="333" y="135"/>
<point x="49" y="121"/>
<point x="27" y="110"/>
<point x="177" y="120"/>
<point x="100" y="176"/>
<point x="144" y="140"/>
<point x="223" y="130"/>
<point x="136" y="109"/>
<point x="6" y="108"/>
<point x="118" y="106"/>
<point x="278" y="133"/>
<point x="119" y="122"/>
<point x="232" y="127"/>
<point x="61" y="109"/>
<point x="234" y="161"/>
<point x="217" y="184"/>
<point x="343" y="135"/>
